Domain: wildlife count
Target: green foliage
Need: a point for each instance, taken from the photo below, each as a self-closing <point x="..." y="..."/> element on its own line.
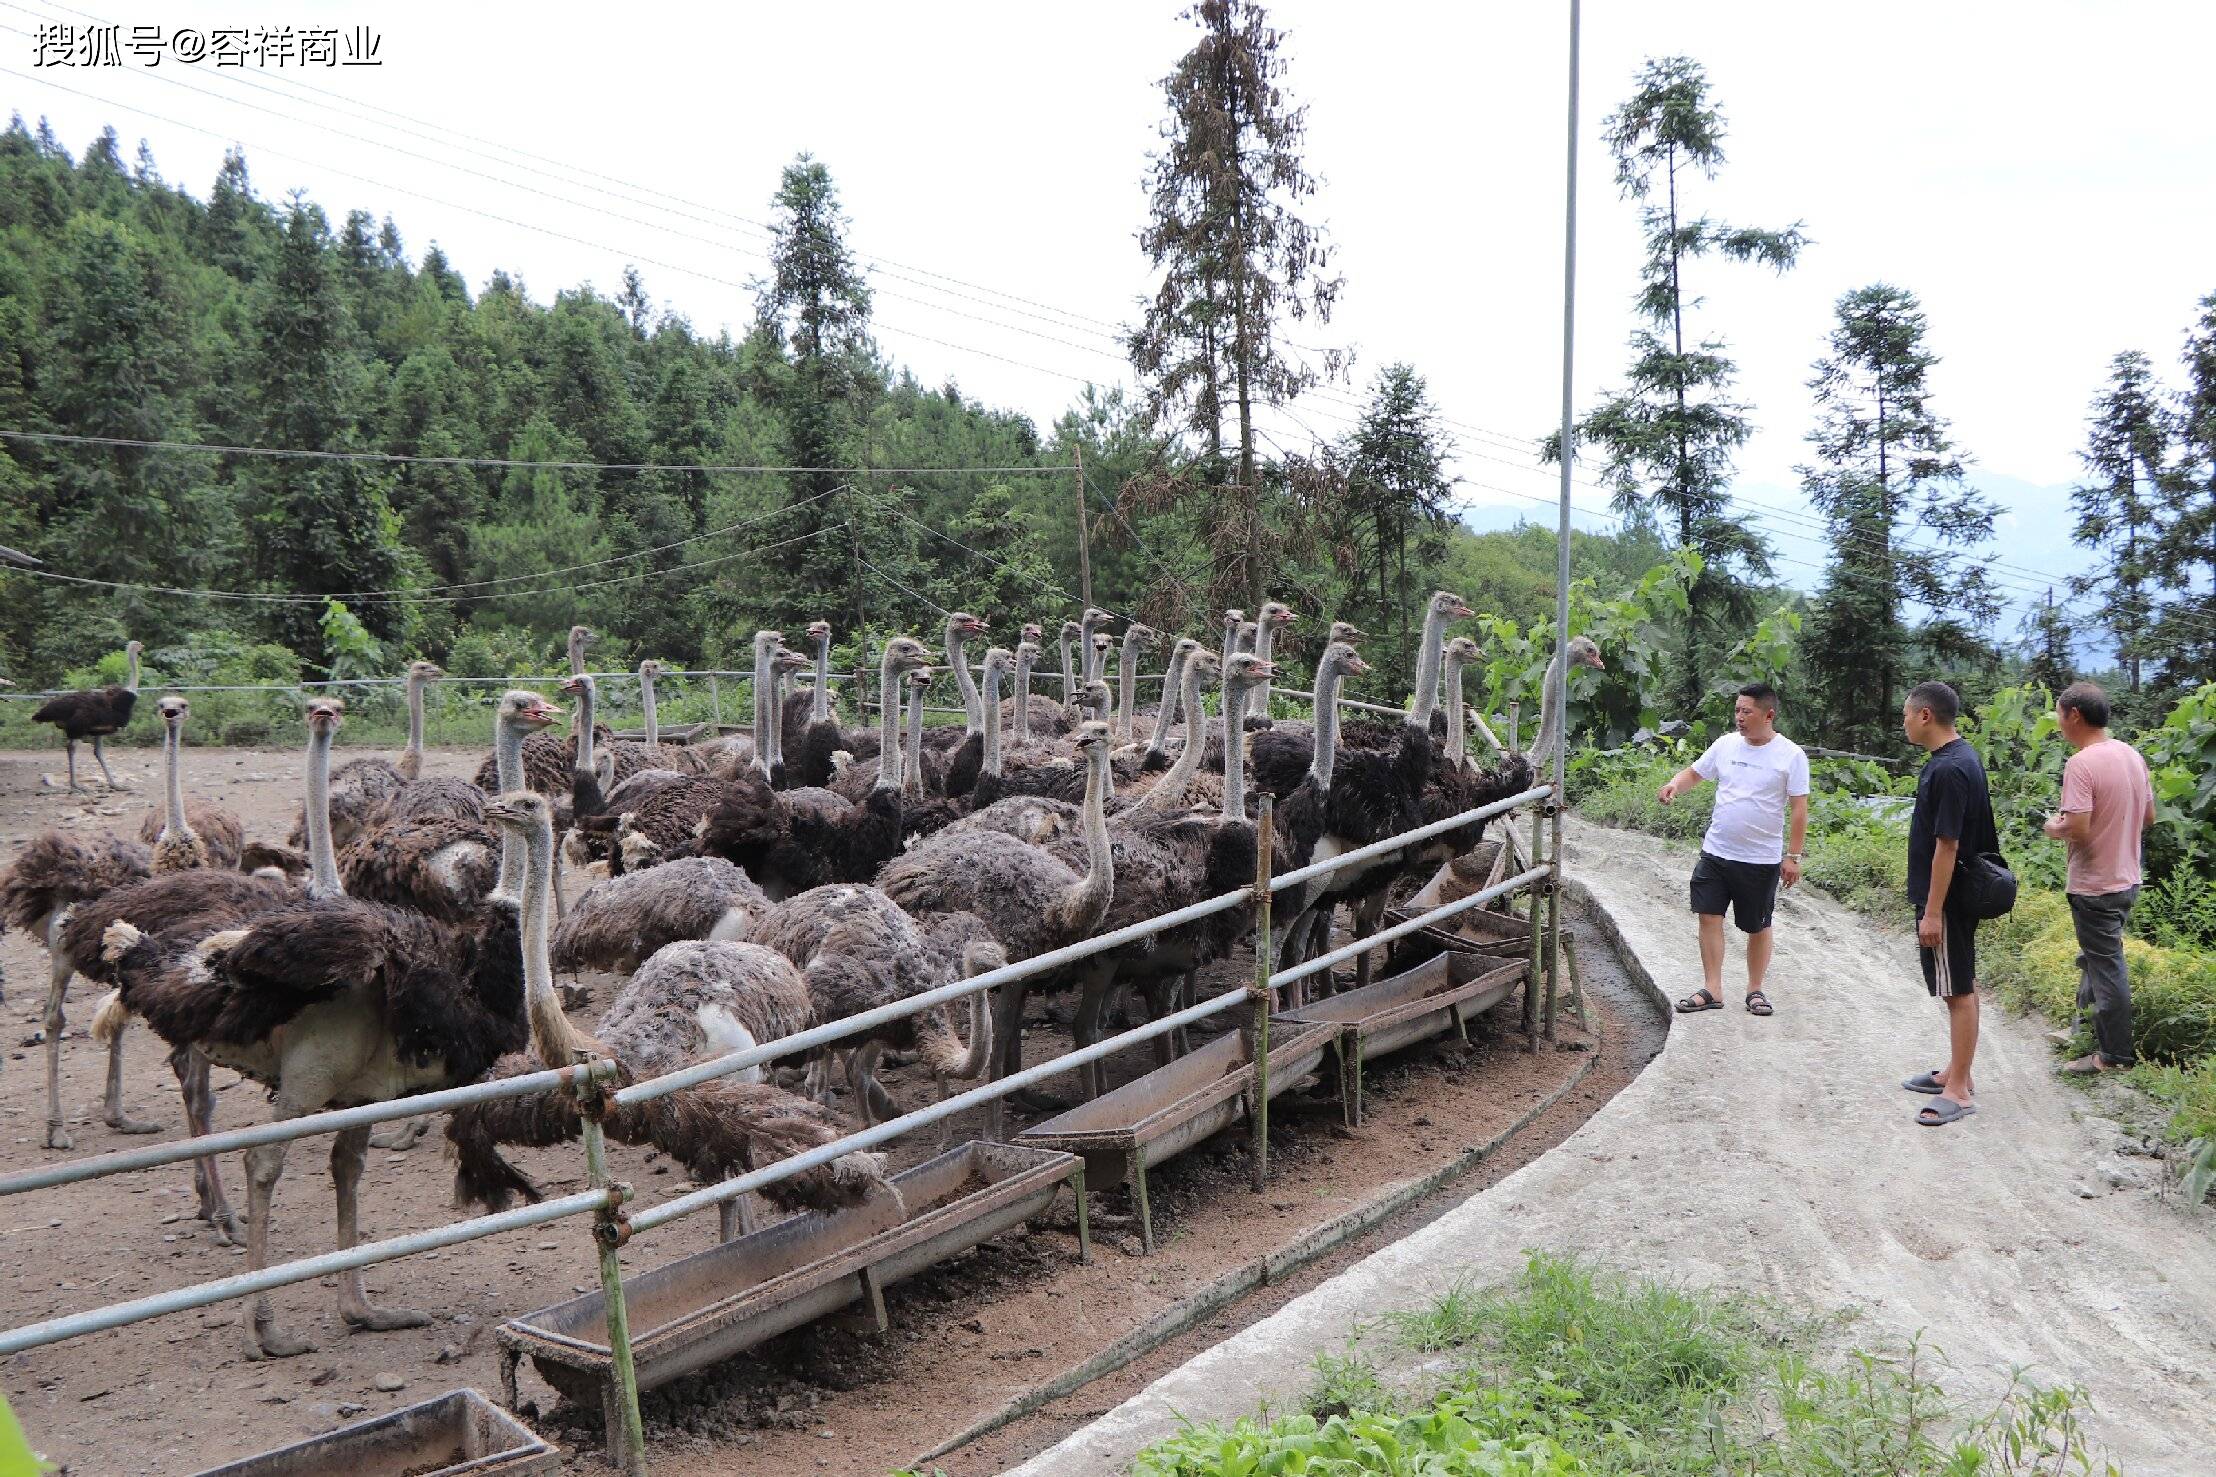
<point x="1343" y="1385"/>
<point x="353" y="651"/>
<point x="2033" y="963"/>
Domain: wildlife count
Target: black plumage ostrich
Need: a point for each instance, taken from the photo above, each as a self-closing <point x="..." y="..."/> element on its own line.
<point x="94" y="713"/>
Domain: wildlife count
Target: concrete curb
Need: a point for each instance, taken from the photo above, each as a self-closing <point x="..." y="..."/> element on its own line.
<point x="1310" y="1246"/>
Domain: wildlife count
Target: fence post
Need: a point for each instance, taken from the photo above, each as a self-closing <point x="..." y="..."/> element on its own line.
<point x="1258" y="994"/>
<point x="1538" y="936"/>
<point x="715" y="698"/>
<point x="1515" y="729"/>
<point x="626" y="1435"/>
<point x="1554" y="904"/>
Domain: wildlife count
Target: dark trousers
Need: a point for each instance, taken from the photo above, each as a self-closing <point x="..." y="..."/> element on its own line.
<point x="2103" y="986"/>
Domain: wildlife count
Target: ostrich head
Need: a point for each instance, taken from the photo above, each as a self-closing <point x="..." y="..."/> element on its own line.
<point x="966" y="624"/>
<point x="133" y="648"/>
<point x="521" y="811"/>
<point x="819" y="630"/>
<point x="1092" y="737"/>
<point x="1585" y="654"/>
<point x="528" y="711"/>
<point x="1141" y="635"/>
<point x="1103" y="643"/>
<point x="425" y="671"/>
<point x="982" y="956"/>
<point x="1027" y="650"/>
<point x="174" y="710"/>
<point x="1343" y="660"/>
<point x="326" y="714"/>
<point x="652" y="670"/>
<point x="906" y="654"/>
<point x="918" y="679"/>
<point x="1449" y="606"/>
<point x="1234" y="616"/>
<point x="1244" y="670"/>
<point x="998" y="661"/>
<point x="1034" y="633"/>
<point x="1275" y="615"/>
<point x="1093" y="696"/>
<point x="1072" y="631"/>
<point x="789" y="660"/>
<point x="1203" y="663"/>
<point x="1461" y="651"/>
<point x="766" y="642"/>
<point x="1346" y="632"/>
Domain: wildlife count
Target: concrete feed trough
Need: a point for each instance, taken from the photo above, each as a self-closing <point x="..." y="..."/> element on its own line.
<point x="1172" y="1108"/>
<point x="704" y="1308"/>
<point x="459" y="1432"/>
<point x="1436" y="996"/>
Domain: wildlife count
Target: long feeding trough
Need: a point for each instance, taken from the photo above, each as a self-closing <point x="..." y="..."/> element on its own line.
<point x="1166" y="1112"/>
<point x="1491" y="930"/>
<point x="704" y="1308"/>
<point x="1438" y="995"/>
<point x="459" y="1432"/>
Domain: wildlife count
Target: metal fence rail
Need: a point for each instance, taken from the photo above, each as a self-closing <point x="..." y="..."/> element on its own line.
<point x="605" y="1200"/>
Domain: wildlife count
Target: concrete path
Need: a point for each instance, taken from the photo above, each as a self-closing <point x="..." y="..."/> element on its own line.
<point x="1780" y="1157"/>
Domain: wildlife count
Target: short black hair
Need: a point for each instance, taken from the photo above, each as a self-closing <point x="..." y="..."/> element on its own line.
<point x="1763" y="694"/>
<point x="1945" y="703"/>
<point x="2087" y="701"/>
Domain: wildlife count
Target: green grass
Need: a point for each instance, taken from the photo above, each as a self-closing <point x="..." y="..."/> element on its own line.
<point x="1572" y="1373"/>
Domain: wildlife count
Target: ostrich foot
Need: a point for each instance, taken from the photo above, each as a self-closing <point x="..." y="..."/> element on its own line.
<point x="372" y="1319"/>
<point x="1038" y="1102"/>
<point x="401" y="1137"/>
<point x="265" y="1340"/>
<point x="122" y="1122"/>
<point x="224" y="1221"/>
<point x="57" y="1137"/>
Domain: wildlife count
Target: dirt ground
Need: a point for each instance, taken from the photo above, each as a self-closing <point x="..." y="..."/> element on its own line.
<point x="175" y="1394"/>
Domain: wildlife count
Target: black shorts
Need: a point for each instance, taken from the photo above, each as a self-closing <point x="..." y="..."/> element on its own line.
<point x="1950" y="969"/>
<point x="1749" y="887"/>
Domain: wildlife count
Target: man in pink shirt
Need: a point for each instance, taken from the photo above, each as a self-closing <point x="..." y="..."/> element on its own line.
<point x="2107" y="805"/>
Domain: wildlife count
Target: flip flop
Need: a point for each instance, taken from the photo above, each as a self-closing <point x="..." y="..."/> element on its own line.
<point x="1943" y="1111"/>
<point x="1697" y="1001"/>
<point x="1758" y="1003"/>
<point x="1926" y="1082"/>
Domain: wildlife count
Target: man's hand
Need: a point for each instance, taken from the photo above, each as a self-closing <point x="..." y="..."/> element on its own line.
<point x="2057" y="825"/>
<point x="1668" y="792"/>
<point x="1930" y="930"/>
<point x="1789" y="871"/>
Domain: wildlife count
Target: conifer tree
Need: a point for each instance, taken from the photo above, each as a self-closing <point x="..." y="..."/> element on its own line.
<point x="2048" y="662"/>
<point x="2117" y="506"/>
<point x="2184" y="553"/>
<point x="1396" y="489"/>
<point x="1666" y="441"/>
<point x="1886" y="469"/>
<point x="1235" y="258"/>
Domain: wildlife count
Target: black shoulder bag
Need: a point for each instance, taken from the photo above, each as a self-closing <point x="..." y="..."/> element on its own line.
<point x="1983" y="887"/>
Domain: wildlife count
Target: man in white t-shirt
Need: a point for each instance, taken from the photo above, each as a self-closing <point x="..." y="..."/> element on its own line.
<point x="1760" y="776"/>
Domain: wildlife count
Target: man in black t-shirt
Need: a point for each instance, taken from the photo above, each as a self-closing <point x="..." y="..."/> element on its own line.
<point x="1954" y="815"/>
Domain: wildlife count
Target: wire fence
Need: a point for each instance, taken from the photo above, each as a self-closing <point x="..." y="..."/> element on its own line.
<point x="606" y="1200"/>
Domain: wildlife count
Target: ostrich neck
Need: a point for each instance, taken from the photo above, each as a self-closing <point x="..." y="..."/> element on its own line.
<point x="1427" y="670"/>
<point x="1173" y="693"/>
<point x="970" y="706"/>
<point x="1327" y="727"/>
<point x="323" y="861"/>
<point x="173" y="742"/>
<point x="911" y="778"/>
<point x="1235" y="700"/>
<point x="647" y="718"/>
<point x="1091" y="896"/>
<point x="1457" y="726"/>
<point x="507" y="752"/>
<point x="1085" y="652"/>
<point x="1265" y="637"/>
<point x="131" y="683"/>
<point x="1230" y="637"/>
<point x="1127" y="682"/>
<point x="776" y="714"/>
<point x="1550" y="717"/>
<point x="551" y="1032"/>
<point x="1069" y="675"/>
<point x="1023" y="696"/>
<point x="1169" y="791"/>
<point x="761" y="710"/>
<point x="819" y="701"/>
<point x="989" y="762"/>
<point x="888" y="725"/>
<point x="576" y="654"/>
<point x="587" y="749"/>
<point x="411" y="757"/>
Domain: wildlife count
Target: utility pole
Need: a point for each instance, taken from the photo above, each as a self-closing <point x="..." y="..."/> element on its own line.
<point x="1084" y="537"/>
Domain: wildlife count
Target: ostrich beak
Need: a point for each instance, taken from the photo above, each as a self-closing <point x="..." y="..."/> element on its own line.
<point x="1266" y="670"/>
<point x="1462" y="611"/>
<point x="1358" y="667"/>
<point x="543" y="714"/>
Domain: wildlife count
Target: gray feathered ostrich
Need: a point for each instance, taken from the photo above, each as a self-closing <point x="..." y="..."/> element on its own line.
<point x="621" y="921"/>
<point x="858" y="950"/>
<point x="1030" y="716"/>
<point x="363" y="790"/>
<point x="187" y="836"/>
<point x="333" y="1002"/>
<point x="94" y="713"/>
<point x="664" y="1019"/>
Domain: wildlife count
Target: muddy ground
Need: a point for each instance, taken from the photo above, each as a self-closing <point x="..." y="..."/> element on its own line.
<point x="175" y="1394"/>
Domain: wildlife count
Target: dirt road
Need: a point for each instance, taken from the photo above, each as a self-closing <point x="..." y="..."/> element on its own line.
<point x="1780" y="1156"/>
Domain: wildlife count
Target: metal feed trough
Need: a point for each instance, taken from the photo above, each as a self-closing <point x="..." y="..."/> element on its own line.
<point x="1159" y="1116"/>
<point x="459" y="1432"/>
<point x="677" y="735"/>
<point x="1436" y="996"/>
<point x="704" y="1308"/>
<point x="1494" y="931"/>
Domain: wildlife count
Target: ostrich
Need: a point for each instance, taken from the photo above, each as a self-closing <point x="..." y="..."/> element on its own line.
<point x="621" y="921"/>
<point x="1072" y="632"/>
<point x="1157" y="755"/>
<point x="1273" y="618"/>
<point x="334" y="1002"/>
<point x="1032" y="901"/>
<point x="1025" y="711"/>
<point x="596" y="804"/>
<point x="1091" y="650"/>
<point x="651" y="755"/>
<point x="1233" y="619"/>
<point x="968" y="755"/>
<point x="187" y="837"/>
<point x="812" y="733"/>
<point x="705" y="996"/>
<point x="920" y="774"/>
<point x="734" y="756"/>
<point x="94" y="713"/>
<point x="1136" y="637"/>
<point x="857" y="950"/>
<point x="783" y="663"/>
<point x="364" y="790"/>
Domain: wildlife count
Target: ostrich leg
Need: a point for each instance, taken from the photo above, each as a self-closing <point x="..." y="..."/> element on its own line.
<point x="69" y="746"/>
<point x="112" y="1104"/>
<point x="100" y="752"/>
<point x="207" y="1182"/>
<point x="1085" y="1027"/>
<point x="57" y="1137"/>
<point x="1366" y="916"/>
<point x="870" y="1098"/>
<point x="265" y="1164"/>
<point x="355" y="1307"/>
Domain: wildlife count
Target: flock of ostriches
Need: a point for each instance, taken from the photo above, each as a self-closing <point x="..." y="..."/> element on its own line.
<point x="405" y="938"/>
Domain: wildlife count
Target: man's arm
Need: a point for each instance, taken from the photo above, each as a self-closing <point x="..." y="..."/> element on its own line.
<point x="1678" y="784"/>
<point x="2073" y="826"/>
<point x="1929" y="931"/>
<point x="1796" y="837"/>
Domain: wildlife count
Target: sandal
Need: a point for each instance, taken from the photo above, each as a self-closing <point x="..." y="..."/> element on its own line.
<point x="1758" y="1003"/>
<point x="1926" y="1082"/>
<point x="1699" y="1000"/>
<point x="1942" y="1111"/>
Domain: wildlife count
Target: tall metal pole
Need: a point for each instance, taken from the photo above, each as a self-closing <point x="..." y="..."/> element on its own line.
<point x="1560" y="695"/>
<point x="1084" y="537"/>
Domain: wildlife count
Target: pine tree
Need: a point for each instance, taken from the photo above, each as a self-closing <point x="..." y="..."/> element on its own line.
<point x="237" y="231"/>
<point x="547" y="519"/>
<point x="1234" y="258"/>
<point x="2048" y="661"/>
<point x="1887" y="469"/>
<point x="2184" y="554"/>
<point x="316" y="526"/>
<point x="2125" y="449"/>
<point x="1667" y="441"/>
<point x="1394" y="513"/>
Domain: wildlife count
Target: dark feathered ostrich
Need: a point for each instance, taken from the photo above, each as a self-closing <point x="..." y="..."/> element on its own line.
<point x="334" y="1002"/>
<point x="690" y="1001"/>
<point x="94" y="713"/>
<point x="363" y="791"/>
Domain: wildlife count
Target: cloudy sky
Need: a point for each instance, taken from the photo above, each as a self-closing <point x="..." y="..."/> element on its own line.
<point x="2039" y="174"/>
